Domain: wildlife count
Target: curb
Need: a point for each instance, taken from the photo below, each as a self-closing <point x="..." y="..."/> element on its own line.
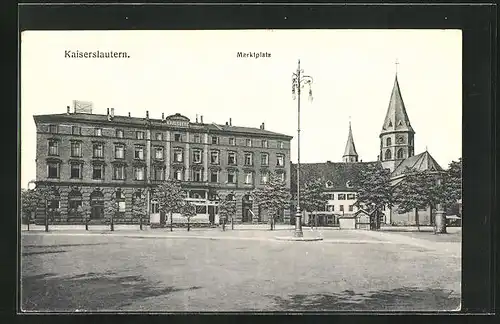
<point x="298" y="239"/>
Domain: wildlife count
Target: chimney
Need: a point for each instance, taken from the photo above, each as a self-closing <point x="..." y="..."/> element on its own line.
<point x="201" y="119"/>
<point x="107" y="112"/>
<point x="227" y="123"/>
<point x="129" y="113"/>
<point x="378" y="157"/>
<point x="67" y="110"/>
<point x="263" y="127"/>
<point x="112" y="112"/>
<point x="230" y="122"/>
<point x="197" y="118"/>
<point x="147" y="114"/>
<point x="162" y="116"/>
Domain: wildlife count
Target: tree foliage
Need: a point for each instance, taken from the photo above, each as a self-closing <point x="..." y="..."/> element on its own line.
<point x="374" y="188"/>
<point x="139" y="205"/>
<point x="227" y="206"/>
<point x="188" y="210"/>
<point x="84" y="210"/>
<point x="30" y="200"/>
<point x="170" y="196"/>
<point x="419" y="189"/>
<point x="313" y="198"/>
<point x="452" y="182"/>
<point x="273" y="197"/>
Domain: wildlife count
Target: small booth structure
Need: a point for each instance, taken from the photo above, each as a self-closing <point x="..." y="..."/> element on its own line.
<point x="358" y="220"/>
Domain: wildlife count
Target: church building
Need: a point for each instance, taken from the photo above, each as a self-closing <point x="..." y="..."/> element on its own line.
<point x="397" y="151"/>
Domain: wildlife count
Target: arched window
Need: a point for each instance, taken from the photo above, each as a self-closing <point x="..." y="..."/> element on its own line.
<point x="97" y="204"/>
<point x="388" y="141"/>
<point x="401" y="154"/>
<point x="388" y="155"/>
<point x="74" y="201"/>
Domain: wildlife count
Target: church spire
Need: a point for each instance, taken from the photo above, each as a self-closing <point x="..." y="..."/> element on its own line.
<point x="350" y="154"/>
<point x="396" y="118"/>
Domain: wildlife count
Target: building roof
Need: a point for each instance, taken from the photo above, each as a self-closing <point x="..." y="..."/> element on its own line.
<point x="421" y="162"/>
<point x="142" y="122"/>
<point x="337" y="173"/>
<point x="396" y="118"/>
<point x="350" y="148"/>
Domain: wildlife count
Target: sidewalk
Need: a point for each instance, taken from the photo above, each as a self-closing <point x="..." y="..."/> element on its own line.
<point x="450" y="248"/>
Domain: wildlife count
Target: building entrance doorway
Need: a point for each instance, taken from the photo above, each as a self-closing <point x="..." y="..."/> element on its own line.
<point x="247" y="209"/>
<point x="97" y="205"/>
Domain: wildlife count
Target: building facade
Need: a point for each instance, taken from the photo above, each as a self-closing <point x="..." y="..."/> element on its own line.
<point x="90" y="157"/>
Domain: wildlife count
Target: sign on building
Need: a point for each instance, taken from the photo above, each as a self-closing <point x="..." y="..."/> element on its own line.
<point x="82" y="107"/>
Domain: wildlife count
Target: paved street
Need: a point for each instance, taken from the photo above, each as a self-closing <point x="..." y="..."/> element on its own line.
<point x="245" y="269"/>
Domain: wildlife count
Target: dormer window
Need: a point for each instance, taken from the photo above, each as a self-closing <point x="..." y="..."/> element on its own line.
<point x="348" y="184"/>
<point x="400" y="123"/>
<point x="328" y="184"/>
<point x="390" y="123"/>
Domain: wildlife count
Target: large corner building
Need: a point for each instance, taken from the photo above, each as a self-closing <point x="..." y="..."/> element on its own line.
<point x="82" y="156"/>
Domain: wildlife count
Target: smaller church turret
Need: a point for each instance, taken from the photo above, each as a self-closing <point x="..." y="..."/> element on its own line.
<point x="350" y="154"/>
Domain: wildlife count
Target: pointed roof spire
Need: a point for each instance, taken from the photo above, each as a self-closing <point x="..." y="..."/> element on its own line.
<point x="396" y="118"/>
<point x="350" y="148"/>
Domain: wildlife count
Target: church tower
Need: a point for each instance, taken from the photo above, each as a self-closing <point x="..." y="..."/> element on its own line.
<point x="397" y="135"/>
<point x="350" y="154"/>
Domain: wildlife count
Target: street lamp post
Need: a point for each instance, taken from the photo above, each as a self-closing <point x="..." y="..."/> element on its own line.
<point x="298" y="82"/>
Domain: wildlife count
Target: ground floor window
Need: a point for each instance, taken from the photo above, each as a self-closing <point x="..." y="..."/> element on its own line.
<point x="154" y="207"/>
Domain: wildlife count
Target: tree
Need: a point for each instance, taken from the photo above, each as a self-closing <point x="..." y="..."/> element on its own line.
<point x="227" y="209"/>
<point x="170" y="197"/>
<point x="419" y="189"/>
<point x="273" y="197"/>
<point x="452" y="182"/>
<point x="47" y="195"/>
<point x="83" y="211"/>
<point x="30" y="200"/>
<point x="374" y="190"/>
<point x="139" y="207"/>
<point x="188" y="210"/>
<point x="111" y="208"/>
<point x="313" y="197"/>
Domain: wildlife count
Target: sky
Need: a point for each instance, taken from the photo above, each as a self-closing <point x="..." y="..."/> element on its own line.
<point x="199" y="73"/>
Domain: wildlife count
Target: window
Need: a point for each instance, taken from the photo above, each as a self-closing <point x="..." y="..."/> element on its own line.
<point x="231" y="158"/>
<point x="328" y="184"/>
<point x="120" y="198"/>
<point x="139" y="152"/>
<point x="178" y="155"/>
<point x="232" y="141"/>
<point x="264" y="143"/>
<point x="351" y="208"/>
<point x="155" y="208"/>
<point x="159" y="136"/>
<point x="214" y="176"/>
<point x="264" y="177"/>
<point x="98" y="172"/>
<point x="348" y="184"/>
<point x="215" y="140"/>
<point x="197" y="174"/>
<point x="341" y="208"/>
<point x="280" y="144"/>
<point x="197" y="156"/>
<point x="231" y="176"/>
<point x="98" y="150"/>
<point x="280" y="160"/>
<point x="341" y="196"/>
<point x="248" y="142"/>
<point x="388" y="141"/>
<point x="159" y="173"/>
<point x="98" y="132"/>
<point x="53" y="148"/>
<point x="76" y="149"/>
<point x="197" y="138"/>
<point x="388" y="154"/>
<point x="177" y="137"/>
<point x="331" y="208"/>
<point x="264" y="159"/>
<point x="76" y="130"/>
<point x="248" y="177"/>
<point x="53" y="170"/>
<point x="53" y="129"/>
<point x="139" y="135"/>
<point x="178" y="175"/>
<point x="119" y="152"/>
<point x="214" y="157"/>
<point x="159" y="153"/>
<point x="351" y="196"/>
<point x="331" y="196"/>
<point x="139" y="173"/>
<point x="76" y="171"/>
<point x="401" y="154"/>
<point x="119" y="133"/>
<point x="119" y="172"/>
<point x="248" y="159"/>
<point x="281" y="176"/>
